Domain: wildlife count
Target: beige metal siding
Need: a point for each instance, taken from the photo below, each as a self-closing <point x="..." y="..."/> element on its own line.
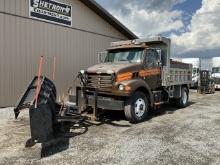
<point x="2" y="80"/>
<point x="23" y="40"/>
<point x="83" y="17"/>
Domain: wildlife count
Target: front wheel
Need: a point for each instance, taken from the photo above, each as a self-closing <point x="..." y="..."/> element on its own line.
<point x="136" y="108"/>
<point x="182" y="102"/>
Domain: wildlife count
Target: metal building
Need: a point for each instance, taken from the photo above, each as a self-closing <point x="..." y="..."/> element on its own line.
<point x="72" y="30"/>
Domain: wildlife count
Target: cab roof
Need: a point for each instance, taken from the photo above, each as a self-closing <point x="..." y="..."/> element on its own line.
<point x="139" y="43"/>
<point x="129" y="47"/>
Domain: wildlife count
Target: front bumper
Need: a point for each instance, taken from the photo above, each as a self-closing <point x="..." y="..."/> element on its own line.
<point x="94" y="98"/>
<point x="106" y="103"/>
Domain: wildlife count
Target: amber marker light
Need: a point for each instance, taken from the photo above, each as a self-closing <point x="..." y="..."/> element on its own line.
<point x="127" y="88"/>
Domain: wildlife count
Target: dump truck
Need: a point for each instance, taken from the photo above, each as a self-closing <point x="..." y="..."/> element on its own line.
<point x="135" y="76"/>
<point x="216" y="71"/>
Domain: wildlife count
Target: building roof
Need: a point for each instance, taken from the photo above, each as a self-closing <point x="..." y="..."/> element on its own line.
<point x="92" y="4"/>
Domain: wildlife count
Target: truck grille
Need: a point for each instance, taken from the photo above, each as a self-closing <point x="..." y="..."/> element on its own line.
<point x="100" y="81"/>
<point x="217" y="80"/>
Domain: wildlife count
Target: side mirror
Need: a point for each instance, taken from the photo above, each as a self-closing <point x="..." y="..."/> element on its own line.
<point x="159" y="63"/>
<point x="102" y="56"/>
<point x="159" y="53"/>
<point x="160" y="58"/>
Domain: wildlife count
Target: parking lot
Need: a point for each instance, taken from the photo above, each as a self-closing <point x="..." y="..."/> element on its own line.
<point x="170" y="136"/>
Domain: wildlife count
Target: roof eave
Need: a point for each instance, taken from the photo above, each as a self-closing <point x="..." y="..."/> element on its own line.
<point x="109" y="18"/>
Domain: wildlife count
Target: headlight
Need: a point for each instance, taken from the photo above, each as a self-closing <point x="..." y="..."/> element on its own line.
<point x="82" y="71"/>
<point x="121" y="87"/>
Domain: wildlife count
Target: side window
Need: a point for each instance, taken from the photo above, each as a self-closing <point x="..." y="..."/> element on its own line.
<point x="152" y="58"/>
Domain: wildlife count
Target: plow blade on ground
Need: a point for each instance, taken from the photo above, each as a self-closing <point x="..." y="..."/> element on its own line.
<point x="43" y="114"/>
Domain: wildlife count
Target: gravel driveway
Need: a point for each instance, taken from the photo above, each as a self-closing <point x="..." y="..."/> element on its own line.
<point x="170" y="136"/>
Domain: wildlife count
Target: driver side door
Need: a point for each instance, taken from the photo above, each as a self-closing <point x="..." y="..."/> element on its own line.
<point x="151" y="71"/>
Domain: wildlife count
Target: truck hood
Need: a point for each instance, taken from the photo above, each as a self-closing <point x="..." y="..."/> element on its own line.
<point x="114" y="68"/>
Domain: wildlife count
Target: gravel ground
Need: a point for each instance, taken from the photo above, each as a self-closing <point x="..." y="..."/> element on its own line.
<point x="184" y="136"/>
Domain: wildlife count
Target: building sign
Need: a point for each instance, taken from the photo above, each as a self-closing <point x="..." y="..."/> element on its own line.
<point x="51" y="11"/>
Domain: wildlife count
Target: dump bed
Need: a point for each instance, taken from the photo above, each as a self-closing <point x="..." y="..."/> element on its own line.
<point x="179" y="73"/>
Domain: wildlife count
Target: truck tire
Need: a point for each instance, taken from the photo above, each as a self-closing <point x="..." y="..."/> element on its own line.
<point x="182" y="102"/>
<point x="136" y="107"/>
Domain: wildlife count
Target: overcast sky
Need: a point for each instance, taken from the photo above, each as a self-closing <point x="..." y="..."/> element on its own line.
<point x="193" y="25"/>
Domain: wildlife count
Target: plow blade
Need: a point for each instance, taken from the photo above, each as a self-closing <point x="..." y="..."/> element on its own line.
<point x="43" y="115"/>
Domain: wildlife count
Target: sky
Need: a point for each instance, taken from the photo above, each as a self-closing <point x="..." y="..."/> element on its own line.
<point x="193" y="25"/>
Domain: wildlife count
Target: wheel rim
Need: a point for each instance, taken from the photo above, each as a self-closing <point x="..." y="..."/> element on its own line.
<point x="140" y="107"/>
<point x="184" y="97"/>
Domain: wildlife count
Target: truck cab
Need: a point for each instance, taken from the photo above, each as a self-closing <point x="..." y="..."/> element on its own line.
<point x="216" y="71"/>
<point x="135" y="76"/>
<point x="125" y="66"/>
<point x="216" y="76"/>
<point x="195" y="77"/>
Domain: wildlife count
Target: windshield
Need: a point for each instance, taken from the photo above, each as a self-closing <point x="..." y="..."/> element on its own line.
<point x="131" y="56"/>
<point x="216" y="70"/>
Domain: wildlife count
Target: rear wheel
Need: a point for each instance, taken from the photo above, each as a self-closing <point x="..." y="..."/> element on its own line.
<point x="182" y="102"/>
<point x="136" y="108"/>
